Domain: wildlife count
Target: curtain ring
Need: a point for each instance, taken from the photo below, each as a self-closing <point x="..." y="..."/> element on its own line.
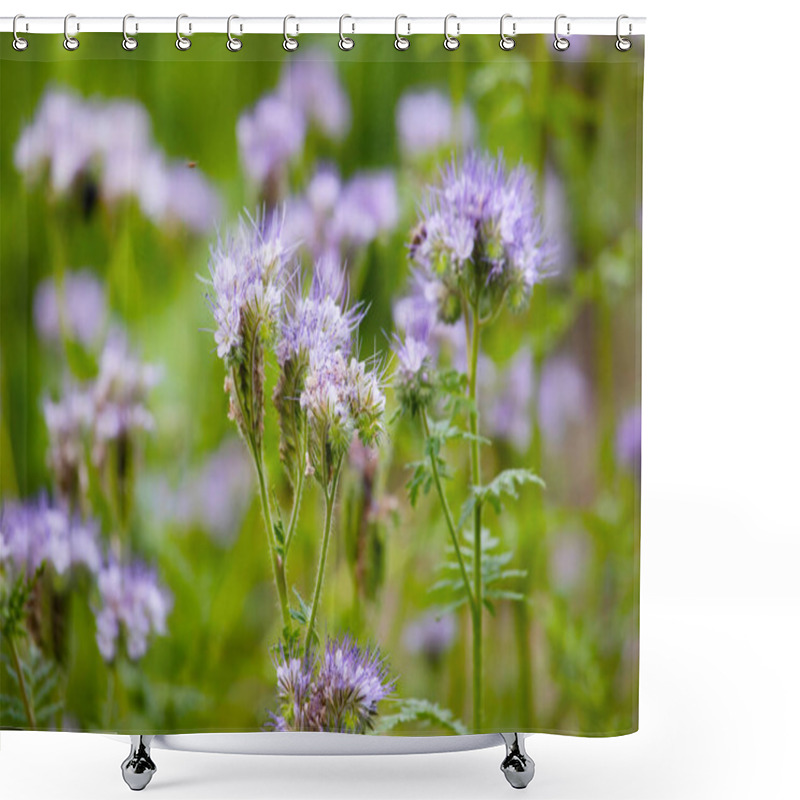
<point x="506" y="42"/>
<point x="182" y="43"/>
<point x="345" y="42"/>
<point x="128" y="42"/>
<point x="400" y="42"/>
<point x="560" y="43"/>
<point x="290" y="44"/>
<point x="623" y="44"/>
<point x="234" y="44"/>
<point x="19" y="43"/>
<point x="451" y="42"/>
<point x="70" y="42"/>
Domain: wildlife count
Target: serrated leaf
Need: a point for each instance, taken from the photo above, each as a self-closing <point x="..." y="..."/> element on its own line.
<point x="420" y="710"/>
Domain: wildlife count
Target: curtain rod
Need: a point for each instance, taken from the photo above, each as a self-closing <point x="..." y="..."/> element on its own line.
<point x="407" y="26"/>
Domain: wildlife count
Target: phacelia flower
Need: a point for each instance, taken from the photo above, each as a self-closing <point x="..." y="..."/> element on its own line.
<point x="629" y="440"/>
<point x="248" y="278"/>
<point x="479" y="234"/>
<point x="133" y="606"/>
<point x="431" y="636"/>
<point x="427" y="122"/>
<point x="94" y="148"/>
<point x="39" y="533"/>
<point x="415" y="351"/>
<point x="77" y="308"/>
<point x="334" y="219"/>
<point x="337" y="692"/>
<point x="68" y="422"/>
<point x="309" y="83"/>
<point x="270" y="135"/>
<point x="564" y="398"/>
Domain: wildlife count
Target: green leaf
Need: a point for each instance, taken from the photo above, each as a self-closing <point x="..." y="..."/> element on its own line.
<point x="420" y="711"/>
<point x="505" y="484"/>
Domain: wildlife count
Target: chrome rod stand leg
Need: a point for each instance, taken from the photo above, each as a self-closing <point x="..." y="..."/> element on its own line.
<point x="138" y="768"/>
<point x="517" y="766"/>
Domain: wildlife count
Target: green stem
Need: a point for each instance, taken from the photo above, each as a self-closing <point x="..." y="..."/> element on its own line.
<point x="298" y="496"/>
<point x="23" y="689"/>
<point x="448" y="515"/>
<point x="475" y="458"/>
<point x="277" y="563"/>
<point x="330" y="499"/>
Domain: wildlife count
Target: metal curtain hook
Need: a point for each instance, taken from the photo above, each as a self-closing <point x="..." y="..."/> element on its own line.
<point x="234" y="44"/>
<point x="623" y="44"/>
<point x="19" y="43"/>
<point x="289" y="43"/>
<point x="506" y="42"/>
<point x="345" y="42"/>
<point x="400" y="42"/>
<point x="128" y="42"/>
<point x="451" y="42"/>
<point x="182" y="43"/>
<point x="70" y="42"/>
<point x="560" y="43"/>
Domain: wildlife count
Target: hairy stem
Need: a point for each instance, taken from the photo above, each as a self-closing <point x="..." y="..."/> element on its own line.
<point x="298" y="496"/>
<point x="448" y="515"/>
<point x="330" y="499"/>
<point x="475" y="459"/>
<point x="279" y="572"/>
<point x="23" y="689"/>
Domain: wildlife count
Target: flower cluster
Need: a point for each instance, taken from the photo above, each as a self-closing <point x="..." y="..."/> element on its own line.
<point x="338" y="692"/>
<point x="133" y="605"/>
<point x="104" y="147"/>
<point x="38" y="533"/>
<point x="78" y="310"/>
<point x="426" y="122"/>
<point x="105" y="411"/>
<point x="332" y="219"/>
<point x="479" y="236"/>
<point x="273" y="132"/>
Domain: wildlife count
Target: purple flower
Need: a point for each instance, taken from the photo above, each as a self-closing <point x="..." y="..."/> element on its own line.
<point x="332" y="220"/>
<point x="270" y="135"/>
<point x="132" y="604"/>
<point x="432" y="636"/>
<point x="563" y="398"/>
<point x="485" y="217"/>
<point x="247" y="280"/>
<point x="120" y="393"/>
<point x="508" y="400"/>
<point x="338" y="692"/>
<point x="108" y="144"/>
<point x="38" y="533"/>
<point x="310" y="84"/>
<point x="79" y="308"/>
<point x="426" y="122"/>
<point x="68" y="422"/>
<point x="629" y="440"/>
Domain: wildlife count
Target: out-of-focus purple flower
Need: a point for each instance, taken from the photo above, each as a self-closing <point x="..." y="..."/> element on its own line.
<point x="310" y="84"/>
<point x="334" y="219"/>
<point x="216" y="496"/>
<point x="79" y="309"/>
<point x="132" y="604"/>
<point x="108" y="144"/>
<point x="68" y="422"/>
<point x="432" y="636"/>
<point x="248" y="276"/>
<point x="338" y="692"/>
<point x="557" y="222"/>
<point x="270" y="135"/>
<point x="485" y="216"/>
<point x="426" y="122"/>
<point x="120" y="393"/>
<point x="508" y="400"/>
<point x="36" y="533"/>
<point x="569" y="559"/>
<point x="564" y="397"/>
<point x="629" y="440"/>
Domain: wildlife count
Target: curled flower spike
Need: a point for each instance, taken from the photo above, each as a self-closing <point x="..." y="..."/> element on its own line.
<point x="480" y="236"/>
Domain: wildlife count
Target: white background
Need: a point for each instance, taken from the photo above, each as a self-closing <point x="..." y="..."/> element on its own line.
<point x="720" y="692"/>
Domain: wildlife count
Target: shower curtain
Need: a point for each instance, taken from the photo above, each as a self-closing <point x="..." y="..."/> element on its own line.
<point x="320" y="386"/>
